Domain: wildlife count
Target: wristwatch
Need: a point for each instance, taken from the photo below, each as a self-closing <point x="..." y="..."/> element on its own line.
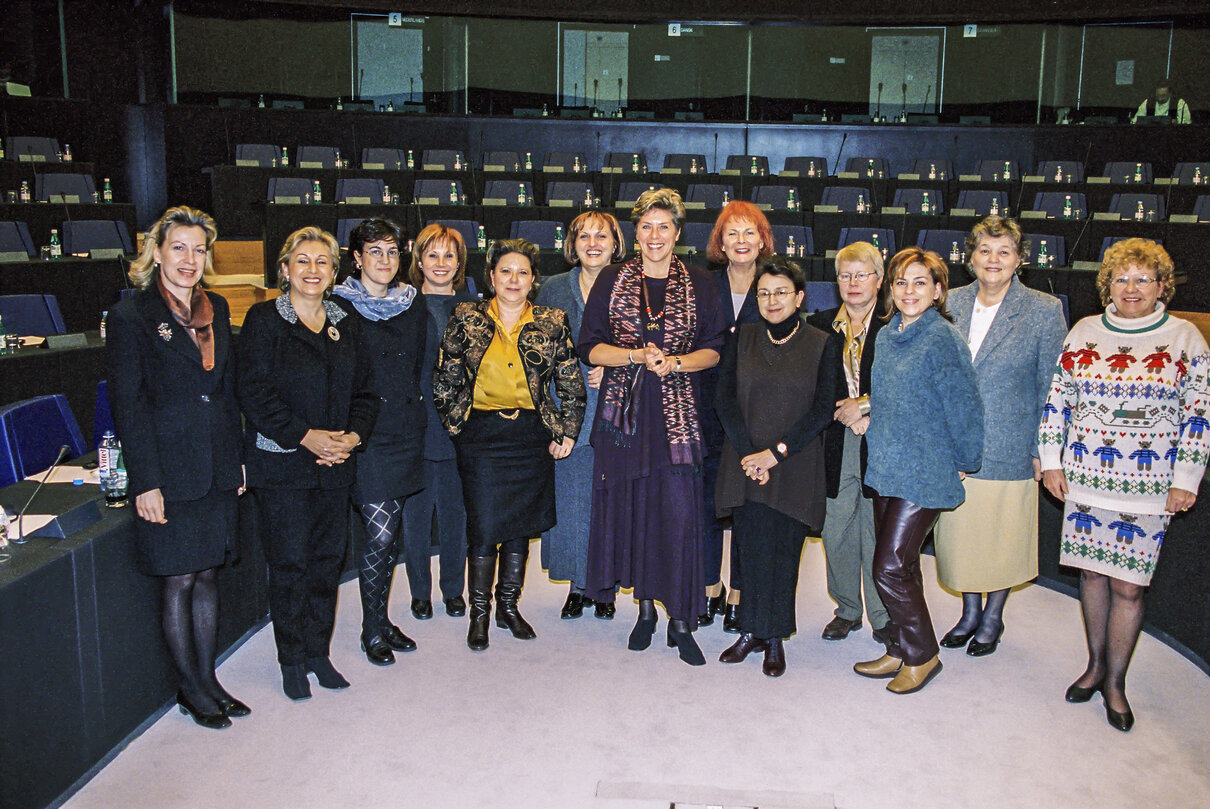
<point x="678" y="363"/>
<point x="780" y="450"/>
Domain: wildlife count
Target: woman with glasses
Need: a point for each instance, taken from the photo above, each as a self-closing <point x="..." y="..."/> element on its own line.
<point x="1123" y="443"/>
<point x="775" y="397"/>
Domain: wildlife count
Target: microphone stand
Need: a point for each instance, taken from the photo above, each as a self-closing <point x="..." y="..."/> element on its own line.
<point x="21" y="540"/>
<point x="878" y="106"/>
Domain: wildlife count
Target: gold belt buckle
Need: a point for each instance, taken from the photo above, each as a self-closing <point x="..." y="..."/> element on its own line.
<point x="513" y="417"/>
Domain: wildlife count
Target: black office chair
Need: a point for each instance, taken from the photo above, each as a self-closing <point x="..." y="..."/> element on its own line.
<point x="31" y="433"/>
<point x="310" y="157"/>
<point x="1110" y="241"/>
<point x="626" y="161"/>
<point x="981" y="201"/>
<point x="1126" y="171"/>
<point x="630" y="191"/>
<point x="80" y="186"/>
<point x="540" y="232"/>
<point x="807" y="166"/>
<point x="468" y="229"/>
<point x="711" y="194"/>
<point x="1140" y="207"/>
<point x="933" y="169"/>
<point x="1055" y="250"/>
<point x="443" y="191"/>
<point x="949" y="244"/>
<point x="687" y="163"/>
<point x="1065" y="171"/>
<point x="912" y="200"/>
<point x="697" y="235"/>
<point x="869" y="167"/>
<point x="566" y="161"/>
<point x="1056" y="204"/>
<point x="280" y="187"/>
<point x="802" y="236"/>
<point x="265" y="154"/>
<point x="361" y="188"/>
<point x="882" y="238"/>
<point x="15" y="238"/>
<point x="387" y="158"/>
<point x="511" y="161"/>
<point x="1201" y="208"/>
<point x="820" y="295"/>
<point x="86" y="235"/>
<point x="446" y="159"/>
<point x="344" y="227"/>
<point x="994" y="170"/>
<point x="1192" y="173"/>
<point x="744" y="163"/>
<point x="573" y="191"/>
<point x="777" y="197"/>
<point x="35" y="149"/>
<point x="35" y="315"/>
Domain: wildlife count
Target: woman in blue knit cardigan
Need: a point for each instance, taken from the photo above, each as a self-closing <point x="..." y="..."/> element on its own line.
<point x="925" y="434"/>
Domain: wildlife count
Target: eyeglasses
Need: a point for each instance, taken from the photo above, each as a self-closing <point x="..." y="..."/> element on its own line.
<point x="778" y="294"/>
<point x="1142" y="282"/>
<point x="378" y="253"/>
<point x="859" y="277"/>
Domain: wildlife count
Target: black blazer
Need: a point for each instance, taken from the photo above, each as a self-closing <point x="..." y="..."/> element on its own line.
<point x="292" y="380"/>
<point x="834" y="436"/>
<point x="712" y="428"/>
<point x="389" y="467"/>
<point x="178" y="423"/>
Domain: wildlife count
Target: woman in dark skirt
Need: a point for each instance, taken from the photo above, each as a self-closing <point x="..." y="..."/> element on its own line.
<point x="172" y="393"/>
<point x="775" y="397"/>
<point x="307" y="398"/>
<point x="654" y="324"/>
<point x="392" y="336"/>
<point x="492" y="387"/>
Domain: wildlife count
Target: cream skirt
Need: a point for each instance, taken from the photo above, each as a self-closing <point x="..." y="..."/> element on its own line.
<point x="990" y="542"/>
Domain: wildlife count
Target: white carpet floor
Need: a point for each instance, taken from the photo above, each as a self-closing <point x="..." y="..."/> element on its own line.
<point x="573" y="720"/>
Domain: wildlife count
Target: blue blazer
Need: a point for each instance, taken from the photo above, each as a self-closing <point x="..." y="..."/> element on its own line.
<point x="1014" y="367"/>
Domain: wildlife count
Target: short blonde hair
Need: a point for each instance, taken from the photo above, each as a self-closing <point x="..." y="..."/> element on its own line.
<point x="609" y="221"/>
<point x="1142" y="253"/>
<point x="664" y="199"/>
<point x="311" y="233"/>
<point x="143" y="269"/>
<point x="432" y="234"/>
<point x="993" y="227"/>
<point x="863" y="252"/>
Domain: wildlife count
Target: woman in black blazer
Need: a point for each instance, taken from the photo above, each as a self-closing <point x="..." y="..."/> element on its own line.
<point x="172" y="393"/>
<point x="307" y="398"/>
<point x="392" y="328"/>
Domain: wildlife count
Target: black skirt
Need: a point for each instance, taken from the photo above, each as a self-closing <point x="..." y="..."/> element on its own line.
<point x="508" y="476"/>
<point x="197" y="534"/>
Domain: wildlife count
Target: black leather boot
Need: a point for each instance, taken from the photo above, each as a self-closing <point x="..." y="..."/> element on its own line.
<point x="508" y="591"/>
<point x="481" y="571"/>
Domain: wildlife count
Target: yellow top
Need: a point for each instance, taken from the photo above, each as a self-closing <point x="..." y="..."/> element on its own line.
<point x="854" y="342"/>
<point x="500" y="383"/>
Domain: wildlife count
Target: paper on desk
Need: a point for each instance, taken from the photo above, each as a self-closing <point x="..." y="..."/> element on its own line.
<point x="69" y="474"/>
<point x="31" y="523"/>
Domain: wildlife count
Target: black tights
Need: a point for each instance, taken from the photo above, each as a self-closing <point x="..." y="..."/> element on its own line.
<point x="190" y="604"/>
<point x="377" y="563"/>
<point x="647" y="613"/>
<point x="984" y="621"/>
<point x="1113" y="617"/>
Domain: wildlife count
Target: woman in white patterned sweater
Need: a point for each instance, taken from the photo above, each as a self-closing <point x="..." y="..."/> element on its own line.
<point x="1124" y="443"/>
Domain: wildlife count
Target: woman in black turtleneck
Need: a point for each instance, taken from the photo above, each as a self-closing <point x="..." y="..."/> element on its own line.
<point x="774" y="401"/>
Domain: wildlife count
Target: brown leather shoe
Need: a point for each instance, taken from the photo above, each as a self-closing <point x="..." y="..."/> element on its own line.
<point x="775" y="659"/>
<point x="913" y="678"/>
<point x="739" y="651"/>
<point x="880" y="669"/>
<point x="839" y="628"/>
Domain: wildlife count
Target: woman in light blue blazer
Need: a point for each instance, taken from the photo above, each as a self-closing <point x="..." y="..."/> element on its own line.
<point x="990" y="543"/>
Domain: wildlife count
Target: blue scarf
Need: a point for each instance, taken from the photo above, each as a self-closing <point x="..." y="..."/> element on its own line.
<point x="397" y="300"/>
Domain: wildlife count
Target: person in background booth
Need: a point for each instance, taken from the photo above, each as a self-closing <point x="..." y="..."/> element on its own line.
<point x="172" y="394"/>
<point x="1164" y="104"/>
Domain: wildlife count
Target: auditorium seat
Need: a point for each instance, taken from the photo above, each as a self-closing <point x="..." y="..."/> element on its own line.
<point x="540" y="232"/>
<point x="15" y="238"/>
<point x="565" y="161"/>
<point x="1201" y="208"/>
<point x="369" y="188"/>
<point x="743" y="163"/>
<point x="18" y="146"/>
<point x="869" y="167"/>
<point x="289" y="187"/>
<point x="697" y="235"/>
<point x="711" y="194"/>
<point x="1124" y="171"/>
<point x="1192" y="173"/>
<point x="438" y="190"/>
<point x="1053" y="203"/>
<point x="31" y="433"/>
<point x="630" y="191"/>
<point x="443" y="159"/>
<point x="685" y="162"/>
<point x="882" y="238"/>
<point x="1056" y="249"/>
<point x="1072" y="171"/>
<point x="265" y="154"/>
<point x="807" y="166"/>
<point x="1110" y="241"/>
<point x="467" y="228"/>
<point x="1127" y="206"/>
<point x="980" y="201"/>
<point x="624" y="161"/>
<point x="912" y="200"/>
<point x="310" y="157"/>
<point x="820" y="295"/>
<point x="86" y="235"/>
<point x="933" y="169"/>
<point x="388" y="158"/>
<point x="803" y="237"/>
<point x="102" y="416"/>
<point x="31" y="315"/>
<point x="846" y="197"/>
<point x="509" y="191"/>
<point x="572" y="191"/>
<point x="77" y="185"/>
<point x="777" y="197"/>
<point x="943" y="242"/>
<point x="993" y="170"/>
<point x="511" y="161"/>
<point x="344" y="227"/>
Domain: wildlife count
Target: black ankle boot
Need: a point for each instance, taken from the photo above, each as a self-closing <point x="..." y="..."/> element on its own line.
<point x="325" y="673"/>
<point x="480" y="572"/>
<point x="294" y="682"/>
<point x="508" y="591"/>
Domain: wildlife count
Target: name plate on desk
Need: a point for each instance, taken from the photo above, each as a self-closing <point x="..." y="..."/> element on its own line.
<point x="1106" y="216"/>
<point x="72" y="521"/>
<point x="560" y="203"/>
<point x="428" y="201"/>
<point x="908" y="176"/>
<point x="788" y="173"/>
<point x="695" y="206"/>
<point x="435" y="167"/>
<point x="670" y="170"/>
<point x="624" y="203"/>
<point x="1098" y="180"/>
<point x="494" y="167"/>
<point x="611" y="170"/>
<point x="21" y="255"/>
<point x="970" y="178"/>
<point x="244" y="163"/>
<point x="764" y="206"/>
<point x="1166" y="181"/>
<point x="848" y="175"/>
<point x="310" y="164"/>
<point x="561" y="169"/>
<point x="1086" y="266"/>
<point x="1032" y="214"/>
<point x="1033" y="178"/>
<point x="962" y="211"/>
<point x="1176" y="219"/>
<point x="827" y="209"/>
<point x="894" y="210"/>
<point x="29" y="157"/>
<point x="373" y="166"/>
<point x="106" y="252"/>
<point x="77" y="340"/>
<point x="730" y="172"/>
<point x="65" y="199"/>
<point x="357" y="201"/>
<point x="287" y="200"/>
<point x="495" y="201"/>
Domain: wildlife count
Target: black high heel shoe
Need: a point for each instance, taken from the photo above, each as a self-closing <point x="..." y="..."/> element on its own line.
<point x="1123" y="721"/>
<point x="640" y="636"/>
<point x="955" y="639"/>
<point x="979" y="649"/>
<point x="213" y="720"/>
<point x="231" y="706"/>
<point x="1078" y="693"/>
<point x="686" y="647"/>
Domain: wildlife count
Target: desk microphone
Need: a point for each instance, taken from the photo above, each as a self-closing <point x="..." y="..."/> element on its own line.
<point x="21" y="540"/>
<point x="836" y="163"/>
<point x="878" y="107"/>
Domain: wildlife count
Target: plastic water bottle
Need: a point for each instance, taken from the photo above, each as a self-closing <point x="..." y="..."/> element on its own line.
<point x="67" y="153"/>
<point x="529" y="161"/>
<point x="575" y="165"/>
<point x="260" y="102"/>
<point x="1138" y="172"/>
<point x="1059" y="173"/>
<point x="995" y="209"/>
<point x="340" y="104"/>
<point x="861" y="203"/>
<point x="411" y="160"/>
<point x="634" y="164"/>
<point x="1197" y="175"/>
<point x="1067" y="206"/>
<point x="104" y="317"/>
<point x="285" y="157"/>
<point x="339" y="163"/>
<point x="755" y="167"/>
<point x="874" y="240"/>
<point x="521" y="193"/>
<point x="316" y="194"/>
<point x="106" y="458"/>
<point x="481" y="238"/>
<point x="545" y="111"/>
<point x="1043" y="254"/>
<point x="587" y="197"/>
<point x="3" y="336"/>
<point x="114" y="484"/>
<point x="453" y="193"/>
<point x="869" y="172"/>
<point x="1139" y="213"/>
<point x="558" y="237"/>
<point x="693" y="165"/>
<point x="792" y="202"/>
<point x="1008" y="170"/>
<point x="106" y="191"/>
<point x="56" y="247"/>
<point x="726" y="197"/>
<point x="925" y="207"/>
<point x="24" y="195"/>
<point x="386" y="194"/>
<point x="932" y="171"/>
<point x="811" y="169"/>
<point x="457" y="162"/>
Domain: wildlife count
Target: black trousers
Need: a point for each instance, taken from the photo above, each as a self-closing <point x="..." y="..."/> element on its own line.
<point x="436" y="512"/>
<point x="305" y="533"/>
<point x="769" y="544"/>
<point x="899" y="530"/>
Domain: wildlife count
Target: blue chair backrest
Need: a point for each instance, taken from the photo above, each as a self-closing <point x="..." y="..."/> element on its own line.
<point x="743" y="163"/>
<point x="1053" y="203"/>
<point x="19" y="145"/>
<point x="709" y="193"/>
<point x="1185" y="173"/>
<point x="1066" y="307"/>
<point x="631" y="190"/>
<point x="684" y="162"/>
<point x="1056" y="248"/>
<point x="540" y="232"/>
<point x="467" y="228"/>
<point x="912" y="200"/>
<point x="803" y="237"/>
<point x="343" y="228"/>
<point x="869" y="166"/>
<point x="886" y="238"/>
<point x="845" y="197"/>
<point x="510" y="160"/>
<point x="289" y="187"/>
<point x="389" y="158"/>
<point x="565" y="161"/>
<point x="803" y="165"/>
<point x="942" y="242"/>
<point x="436" y="189"/>
<point x="102" y="417"/>
<point x="1123" y="171"/>
<point x="980" y="200"/>
<point x="77" y="185"/>
<point x="1127" y="206"/>
<point x="263" y="153"/>
<point x="627" y="229"/>
<point x="622" y="160"/>
<point x="776" y="197"/>
<point x="509" y="190"/>
<point x="368" y="187"/>
<point x="31" y="315"/>
<point x="432" y="158"/>
<point x="820" y="295"/>
<point x="994" y="169"/>
<point x="1110" y="241"/>
<point x="84" y="235"/>
<point x="15" y="238"/>
<point x="324" y="155"/>
<point x="31" y="433"/>
<point x="1201" y="208"/>
<point x="572" y="190"/>
<point x="1073" y="170"/>
<point x="943" y="168"/>
<point x="697" y="235"/>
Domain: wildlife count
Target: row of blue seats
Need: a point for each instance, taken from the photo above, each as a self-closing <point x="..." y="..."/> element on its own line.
<point x="80" y="236"/>
<point x="33" y="430"/>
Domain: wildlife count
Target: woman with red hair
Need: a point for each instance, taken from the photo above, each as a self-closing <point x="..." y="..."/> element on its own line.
<point x="740" y="239"/>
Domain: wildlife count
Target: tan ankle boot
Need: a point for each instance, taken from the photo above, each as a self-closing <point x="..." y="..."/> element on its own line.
<point x="913" y="678"/>
<point x="883" y="667"/>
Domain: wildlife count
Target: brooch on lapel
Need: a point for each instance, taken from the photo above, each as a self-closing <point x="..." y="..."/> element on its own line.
<point x="333" y="334"/>
<point x="164" y="331"/>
